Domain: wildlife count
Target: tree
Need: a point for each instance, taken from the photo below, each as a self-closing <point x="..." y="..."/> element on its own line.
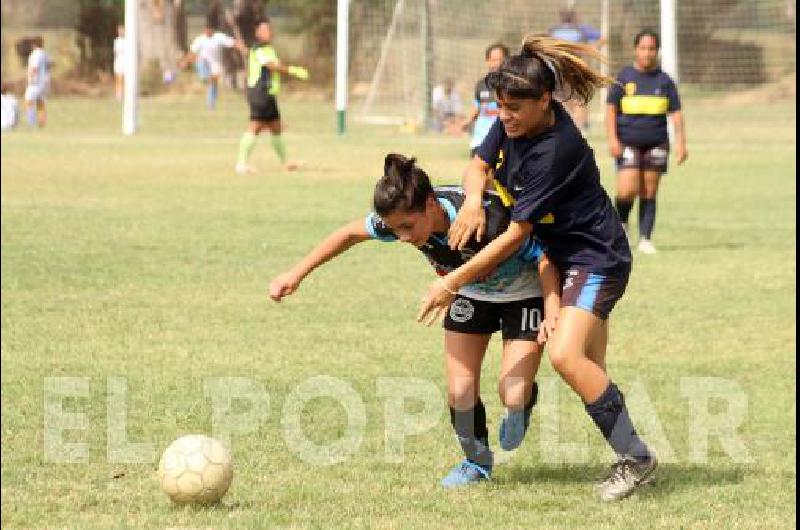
<point x="162" y="38"/>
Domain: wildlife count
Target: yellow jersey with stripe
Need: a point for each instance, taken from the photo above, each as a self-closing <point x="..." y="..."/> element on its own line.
<point x="643" y="100"/>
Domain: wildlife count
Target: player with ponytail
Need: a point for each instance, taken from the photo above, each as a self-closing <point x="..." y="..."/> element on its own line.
<point x="508" y="298"/>
<point x="539" y="161"/>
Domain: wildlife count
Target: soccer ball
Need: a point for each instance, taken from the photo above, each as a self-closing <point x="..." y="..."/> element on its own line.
<point x="195" y="469"/>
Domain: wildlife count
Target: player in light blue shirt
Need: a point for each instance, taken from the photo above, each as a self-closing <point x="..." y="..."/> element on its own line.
<point x="485" y="110"/>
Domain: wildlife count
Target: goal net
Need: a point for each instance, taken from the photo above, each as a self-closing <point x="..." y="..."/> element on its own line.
<point x="401" y="49"/>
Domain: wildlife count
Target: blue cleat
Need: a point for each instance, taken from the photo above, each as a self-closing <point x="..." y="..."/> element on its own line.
<point x="513" y="428"/>
<point x="515" y="423"/>
<point x="466" y="473"/>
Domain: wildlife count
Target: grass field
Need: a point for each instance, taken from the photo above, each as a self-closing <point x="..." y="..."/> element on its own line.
<point x="147" y="258"/>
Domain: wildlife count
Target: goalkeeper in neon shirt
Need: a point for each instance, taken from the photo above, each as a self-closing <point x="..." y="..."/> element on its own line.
<point x="264" y="71"/>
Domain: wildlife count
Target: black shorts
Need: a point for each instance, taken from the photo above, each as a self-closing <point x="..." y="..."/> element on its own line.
<point x="648" y="158"/>
<point x="263" y="107"/>
<point x="596" y="293"/>
<point x="518" y="320"/>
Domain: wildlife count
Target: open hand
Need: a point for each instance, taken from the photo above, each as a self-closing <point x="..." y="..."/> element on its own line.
<point x="435" y="303"/>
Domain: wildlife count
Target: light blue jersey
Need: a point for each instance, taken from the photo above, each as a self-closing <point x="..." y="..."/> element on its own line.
<point x="487" y="113"/>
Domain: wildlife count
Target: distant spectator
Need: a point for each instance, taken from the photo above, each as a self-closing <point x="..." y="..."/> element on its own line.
<point x="38" y="84"/>
<point x="570" y="30"/>
<point x="448" y="112"/>
<point x="119" y="62"/>
<point x="10" y="109"/>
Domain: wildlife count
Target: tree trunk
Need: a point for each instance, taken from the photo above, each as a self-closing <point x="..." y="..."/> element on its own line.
<point x="162" y="38"/>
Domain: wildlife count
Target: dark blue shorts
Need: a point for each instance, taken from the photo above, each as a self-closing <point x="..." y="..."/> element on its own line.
<point x="593" y="292"/>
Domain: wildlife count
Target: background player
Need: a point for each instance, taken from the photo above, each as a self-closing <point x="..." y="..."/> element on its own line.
<point x="485" y="111"/>
<point x="636" y="122"/>
<point x="570" y="30"/>
<point x="206" y="53"/>
<point x="38" y="84"/>
<point x="119" y="62"/>
<point x="264" y="71"/>
<point x="508" y="299"/>
<point x="550" y="177"/>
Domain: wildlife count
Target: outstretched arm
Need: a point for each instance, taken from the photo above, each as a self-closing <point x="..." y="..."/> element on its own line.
<point x="337" y="242"/>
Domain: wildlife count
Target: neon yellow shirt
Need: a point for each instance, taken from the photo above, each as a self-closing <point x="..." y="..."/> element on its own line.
<point x="259" y="74"/>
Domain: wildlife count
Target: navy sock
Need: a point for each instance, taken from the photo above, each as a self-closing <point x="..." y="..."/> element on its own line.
<point x="532" y="400"/>
<point x="624" y="209"/>
<point x="610" y="415"/>
<point x="470" y="427"/>
<point x="647" y="217"/>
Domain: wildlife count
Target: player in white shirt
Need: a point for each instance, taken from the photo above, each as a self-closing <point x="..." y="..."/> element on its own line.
<point x="119" y="61"/>
<point x="10" y="109"/>
<point x="38" y="83"/>
<point x="206" y="52"/>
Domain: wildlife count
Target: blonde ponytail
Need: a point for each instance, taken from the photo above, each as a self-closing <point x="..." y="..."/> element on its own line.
<point x="566" y="60"/>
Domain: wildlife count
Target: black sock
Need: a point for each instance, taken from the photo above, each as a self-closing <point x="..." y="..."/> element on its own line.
<point x="624" y="209"/>
<point x="470" y="427"/>
<point x="610" y="415"/>
<point x="534" y="397"/>
<point x="647" y="217"/>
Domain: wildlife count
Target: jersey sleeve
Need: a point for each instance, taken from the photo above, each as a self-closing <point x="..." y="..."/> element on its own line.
<point x="489" y="149"/>
<point x="265" y="55"/>
<point x="674" y="101"/>
<point x="531" y="250"/>
<point x="377" y="228"/>
<point x="226" y="40"/>
<point x="33" y="60"/>
<point x="196" y="44"/>
<point x="615" y="92"/>
<point x="590" y="34"/>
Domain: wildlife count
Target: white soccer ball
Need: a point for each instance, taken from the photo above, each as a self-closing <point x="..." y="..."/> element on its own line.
<point x="195" y="469"/>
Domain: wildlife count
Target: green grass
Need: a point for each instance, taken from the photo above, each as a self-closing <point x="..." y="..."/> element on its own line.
<point x="146" y="258"/>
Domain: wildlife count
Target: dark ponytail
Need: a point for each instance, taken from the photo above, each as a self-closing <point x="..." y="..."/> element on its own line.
<point x="546" y="64"/>
<point x="403" y="186"/>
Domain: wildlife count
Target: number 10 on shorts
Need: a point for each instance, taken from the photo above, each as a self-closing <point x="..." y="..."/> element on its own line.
<point x="531" y="318"/>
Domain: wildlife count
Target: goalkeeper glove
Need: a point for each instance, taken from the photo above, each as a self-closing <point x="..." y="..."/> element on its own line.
<point x="298" y="71"/>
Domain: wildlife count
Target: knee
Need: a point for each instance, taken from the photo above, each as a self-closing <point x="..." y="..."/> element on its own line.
<point x="462" y="396"/>
<point x="512" y="391"/>
<point x="562" y="362"/>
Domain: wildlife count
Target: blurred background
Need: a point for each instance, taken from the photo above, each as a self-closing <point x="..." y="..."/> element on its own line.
<point x="400" y="49"/>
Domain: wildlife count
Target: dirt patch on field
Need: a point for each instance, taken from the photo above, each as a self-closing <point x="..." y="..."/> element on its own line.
<point x="785" y="88"/>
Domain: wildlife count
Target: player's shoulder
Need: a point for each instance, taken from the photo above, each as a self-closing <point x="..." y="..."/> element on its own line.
<point x="627" y="73"/>
<point x="450" y="193"/>
<point x="664" y="77"/>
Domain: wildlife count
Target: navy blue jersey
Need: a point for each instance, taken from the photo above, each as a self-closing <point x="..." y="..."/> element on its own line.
<point x="553" y="182"/>
<point x="643" y="100"/>
<point x="514" y="279"/>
